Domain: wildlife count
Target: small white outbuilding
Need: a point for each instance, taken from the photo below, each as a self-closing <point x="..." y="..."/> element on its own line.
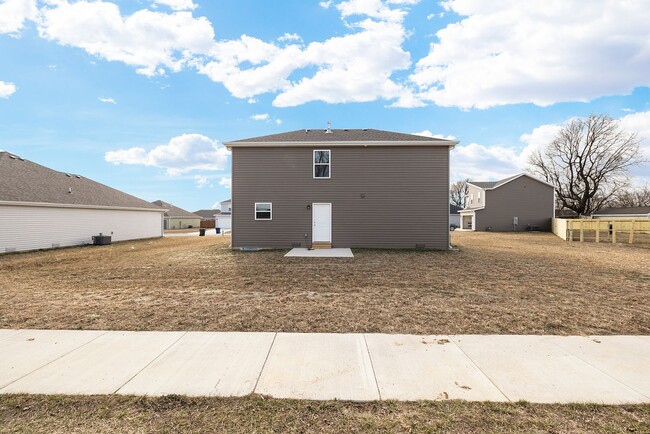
<point x="41" y="208"/>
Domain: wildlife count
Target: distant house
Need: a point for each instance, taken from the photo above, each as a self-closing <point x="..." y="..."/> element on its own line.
<point x="41" y="208"/>
<point x="224" y="219"/>
<point x="454" y="215"/>
<point x="208" y="217"/>
<point x="623" y="213"/>
<point x="340" y="188"/>
<point x="178" y="218"/>
<point x="517" y="203"/>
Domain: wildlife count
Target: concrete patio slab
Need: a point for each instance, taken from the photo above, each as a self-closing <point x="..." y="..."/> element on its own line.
<point x="611" y="355"/>
<point x="301" y="252"/>
<point x="29" y="350"/>
<point x="534" y="369"/>
<point x="101" y="366"/>
<point x="319" y="366"/>
<point x="411" y="367"/>
<point x="205" y="364"/>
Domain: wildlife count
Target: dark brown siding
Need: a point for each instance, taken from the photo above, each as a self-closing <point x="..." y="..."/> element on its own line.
<point x="406" y="193"/>
<point x="529" y="200"/>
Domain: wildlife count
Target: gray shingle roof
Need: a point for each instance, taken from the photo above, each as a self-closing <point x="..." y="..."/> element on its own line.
<point x="623" y="211"/>
<point x="494" y="184"/>
<point x="25" y="181"/>
<point x="174" y="211"/>
<point x="453" y="209"/>
<point x="207" y="213"/>
<point x="340" y="135"/>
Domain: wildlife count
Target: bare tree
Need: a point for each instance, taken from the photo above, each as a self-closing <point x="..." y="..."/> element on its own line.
<point x="631" y="198"/>
<point x="588" y="162"/>
<point x="458" y="192"/>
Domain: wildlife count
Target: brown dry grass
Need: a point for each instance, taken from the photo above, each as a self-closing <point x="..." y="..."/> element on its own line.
<point x="497" y="283"/>
<point x="95" y="414"/>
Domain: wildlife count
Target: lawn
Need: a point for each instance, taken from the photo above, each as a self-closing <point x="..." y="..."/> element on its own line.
<point x="59" y="414"/>
<point x="495" y="283"/>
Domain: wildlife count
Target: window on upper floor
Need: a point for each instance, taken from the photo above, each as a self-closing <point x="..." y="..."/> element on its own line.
<point x="263" y="211"/>
<point x="478" y="198"/>
<point x="322" y="164"/>
<point x="471" y="199"/>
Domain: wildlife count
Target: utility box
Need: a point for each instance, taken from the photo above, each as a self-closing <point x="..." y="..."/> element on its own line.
<point x="101" y="240"/>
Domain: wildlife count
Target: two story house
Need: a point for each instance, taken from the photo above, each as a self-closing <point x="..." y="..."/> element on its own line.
<point x="517" y="203"/>
<point x="340" y="188"/>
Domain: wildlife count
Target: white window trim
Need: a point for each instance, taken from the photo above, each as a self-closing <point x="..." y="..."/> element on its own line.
<point x="263" y="203"/>
<point x="313" y="164"/>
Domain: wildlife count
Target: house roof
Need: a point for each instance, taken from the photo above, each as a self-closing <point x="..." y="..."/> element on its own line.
<point x="22" y="180"/>
<point x="341" y="136"/>
<point x="453" y="209"/>
<point x="227" y="200"/>
<point x="491" y="185"/>
<point x="207" y="213"/>
<point x="640" y="210"/>
<point x="174" y="211"/>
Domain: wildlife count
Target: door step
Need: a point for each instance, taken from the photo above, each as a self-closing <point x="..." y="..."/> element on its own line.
<point x="321" y="245"/>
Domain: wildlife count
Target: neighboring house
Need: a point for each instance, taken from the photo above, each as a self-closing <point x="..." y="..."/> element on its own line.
<point x="454" y="215"/>
<point x="341" y="188"/>
<point x="224" y="219"/>
<point x="208" y="220"/>
<point x="178" y="218"/>
<point x="517" y="203"/>
<point x="41" y="208"/>
<point x="623" y="213"/>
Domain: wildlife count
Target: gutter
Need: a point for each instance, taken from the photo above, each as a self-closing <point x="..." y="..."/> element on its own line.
<point x="437" y="143"/>
<point x="71" y="205"/>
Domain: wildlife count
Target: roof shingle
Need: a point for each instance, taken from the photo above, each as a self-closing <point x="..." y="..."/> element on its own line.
<point x="340" y="135"/>
<point x="25" y="181"/>
<point x="174" y="211"/>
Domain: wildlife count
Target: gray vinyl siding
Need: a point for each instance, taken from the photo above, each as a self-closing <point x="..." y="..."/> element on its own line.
<point x="475" y="191"/>
<point x="529" y="200"/>
<point x="406" y="196"/>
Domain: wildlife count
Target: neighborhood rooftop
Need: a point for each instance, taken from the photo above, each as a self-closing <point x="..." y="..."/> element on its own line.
<point x="625" y="211"/>
<point x="341" y="135"/>
<point x="493" y="184"/>
<point x="25" y="181"/>
<point x="174" y="211"/>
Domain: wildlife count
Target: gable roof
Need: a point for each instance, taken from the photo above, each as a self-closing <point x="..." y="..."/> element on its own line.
<point x="174" y="211"/>
<point x="341" y="137"/>
<point x="207" y="213"/>
<point x="453" y="209"/>
<point x="496" y="184"/>
<point x="22" y="180"/>
<point x="637" y="210"/>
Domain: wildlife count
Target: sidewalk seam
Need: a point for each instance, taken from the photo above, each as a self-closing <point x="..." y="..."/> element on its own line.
<point x="150" y="362"/>
<point x="372" y="366"/>
<point x="451" y="338"/>
<point x="54" y="360"/>
<point x="266" y="359"/>
<point x="598" y="369"/>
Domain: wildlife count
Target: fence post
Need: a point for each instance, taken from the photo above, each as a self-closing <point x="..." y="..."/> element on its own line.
<point x="571" y="230"/>
<point x="582" y="231"/>
<point x="597" y="231"/>
<point x="632" y="233"/>
<point x="613" y="232"/>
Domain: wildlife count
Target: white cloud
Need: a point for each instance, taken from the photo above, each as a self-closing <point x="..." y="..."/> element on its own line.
<point x="7" y="89"/>
<point x="177" y="5"/>
<point x="427" y="133"/>
<point x="150" y="41"/>
<point x="489" y="163"/>
<point x="325" y="4"/>
<point x="14" y="13"/>
<point x="278" y="121"/>
<point x="183" y="154"/>
<point x="107" y="100"/>
<point x="260" y="117"/>
<point x="355" y="67"/>
<point x="226" y="181"/>
<point x="511" y="51"/>
<point x="201" y="181"/>
<point x="290" y="37"/>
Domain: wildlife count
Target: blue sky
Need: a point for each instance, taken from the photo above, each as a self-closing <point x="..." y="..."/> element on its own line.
<point x="140" y="95"/>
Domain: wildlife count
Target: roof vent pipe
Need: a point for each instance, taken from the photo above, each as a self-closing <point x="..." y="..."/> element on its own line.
<point x="69" y="190"/>
<point x="329" y="128"/>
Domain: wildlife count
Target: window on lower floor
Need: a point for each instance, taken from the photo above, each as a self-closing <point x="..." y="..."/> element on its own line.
<point x="263" y="211"/>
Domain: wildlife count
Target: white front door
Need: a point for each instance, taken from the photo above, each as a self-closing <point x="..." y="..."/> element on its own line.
<point x="321" y="216"/>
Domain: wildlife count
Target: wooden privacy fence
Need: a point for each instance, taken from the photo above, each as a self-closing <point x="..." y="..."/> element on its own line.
<point x="606" y="230"/>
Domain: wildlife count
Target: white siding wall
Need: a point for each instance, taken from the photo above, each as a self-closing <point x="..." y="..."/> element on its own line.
<point x="454" y="219"/>
<point x="30" y="228"/>
<point x="223" y="221"/>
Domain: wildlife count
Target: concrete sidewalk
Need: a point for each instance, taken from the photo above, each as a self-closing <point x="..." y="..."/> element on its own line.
<point x="361" y="367"/>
